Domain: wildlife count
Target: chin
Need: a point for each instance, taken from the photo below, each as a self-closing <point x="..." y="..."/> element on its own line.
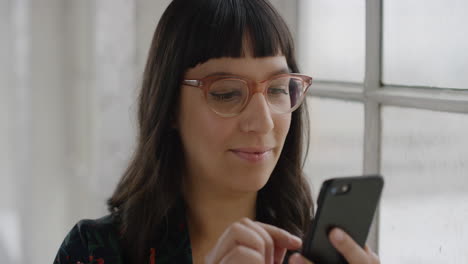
<point x="251" y="182"/>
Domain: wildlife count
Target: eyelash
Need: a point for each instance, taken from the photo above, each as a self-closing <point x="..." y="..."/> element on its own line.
<point x="223" y="96"/>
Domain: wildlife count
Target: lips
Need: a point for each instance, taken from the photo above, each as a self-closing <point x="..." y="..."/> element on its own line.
<point x="255" y="154"/>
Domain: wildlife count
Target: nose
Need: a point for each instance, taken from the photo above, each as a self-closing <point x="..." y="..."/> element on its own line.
<point x="256" y="116"/>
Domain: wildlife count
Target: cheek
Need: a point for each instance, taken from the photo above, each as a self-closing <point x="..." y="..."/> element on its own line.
<point x="201" y="131"/>
<point x="282" y="125"/>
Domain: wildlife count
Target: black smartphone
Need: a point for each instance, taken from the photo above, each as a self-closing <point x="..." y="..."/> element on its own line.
<point x="348" y="203"/>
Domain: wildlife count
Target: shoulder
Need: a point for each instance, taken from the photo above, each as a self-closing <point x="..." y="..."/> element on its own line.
<point x="91" y="241"/>
<point x="97" y="229"/>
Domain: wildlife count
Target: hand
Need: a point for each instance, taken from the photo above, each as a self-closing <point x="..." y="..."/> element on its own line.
<point x="247" y="241"/>
<point x="350" y="250"/>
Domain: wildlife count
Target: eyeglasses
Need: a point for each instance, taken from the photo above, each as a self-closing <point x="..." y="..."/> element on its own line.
<point x="229" y="95"/>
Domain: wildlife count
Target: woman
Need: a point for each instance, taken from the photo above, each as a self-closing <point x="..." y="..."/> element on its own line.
<point x="217" y="173"/>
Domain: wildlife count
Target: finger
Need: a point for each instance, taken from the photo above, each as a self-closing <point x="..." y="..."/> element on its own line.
<point x="273" y="252"/>
<point x="367" y="249"/>
<point x="269" y="244"/>
<point x="281" y="237"/>
<point x="237" y="234"/>
<point x="242" y="254"/>
<point x="297" y="258"/>
<point x="375" y="259"/>
<point x="350" y="250"/>
<point x="280" y="253"/>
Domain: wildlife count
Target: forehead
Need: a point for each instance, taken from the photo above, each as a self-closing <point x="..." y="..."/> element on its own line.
<point x="250" y="67"/>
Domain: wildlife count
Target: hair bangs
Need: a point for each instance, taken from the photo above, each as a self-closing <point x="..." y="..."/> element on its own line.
<point x="235" y="28"/>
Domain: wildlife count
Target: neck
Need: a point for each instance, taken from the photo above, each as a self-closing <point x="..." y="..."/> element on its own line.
<point x="209" y="213"/>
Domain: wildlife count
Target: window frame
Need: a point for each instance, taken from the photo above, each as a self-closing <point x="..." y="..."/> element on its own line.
<point x="374" y="94"/>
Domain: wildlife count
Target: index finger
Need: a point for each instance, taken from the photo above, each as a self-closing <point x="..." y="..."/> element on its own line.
<point x="281" y="237"/>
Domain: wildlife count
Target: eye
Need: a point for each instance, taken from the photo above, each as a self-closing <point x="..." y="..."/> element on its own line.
<point x="226" y="97"/>
<point x="277" y="91"/>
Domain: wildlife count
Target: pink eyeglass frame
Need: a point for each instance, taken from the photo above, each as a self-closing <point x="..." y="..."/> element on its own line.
<point x="253" y="87"/>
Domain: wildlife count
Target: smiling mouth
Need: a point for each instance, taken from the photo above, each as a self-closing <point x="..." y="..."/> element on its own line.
<point x="252" y="155"/>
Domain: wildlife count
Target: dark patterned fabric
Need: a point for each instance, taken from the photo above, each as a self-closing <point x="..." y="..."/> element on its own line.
<point x="97" y="242"/>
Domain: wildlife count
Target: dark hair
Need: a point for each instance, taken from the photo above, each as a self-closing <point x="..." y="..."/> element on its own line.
<point x="190" y="33"/>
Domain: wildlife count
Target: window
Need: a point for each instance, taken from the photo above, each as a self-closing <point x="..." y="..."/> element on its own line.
<point x="328" y="119"/>
<point x="433" y="52"/>
<point x="424" y="157"/>
<point x="331" y="42"/>
<point x="404" y="100"/>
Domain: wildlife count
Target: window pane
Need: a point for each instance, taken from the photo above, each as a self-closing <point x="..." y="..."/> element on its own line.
<point x="425" y="43"/>
<point x="336" y="143"/>
<point x="331" y="39"/>
<point x="424" y="209"/>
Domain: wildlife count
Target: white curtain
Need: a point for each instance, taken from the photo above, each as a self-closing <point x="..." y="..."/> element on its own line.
<point x="69" y="72"/>
<point x="69" y="75"/>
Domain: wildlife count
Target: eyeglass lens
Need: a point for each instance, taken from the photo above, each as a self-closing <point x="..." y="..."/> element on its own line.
<point x="228" y="96"/>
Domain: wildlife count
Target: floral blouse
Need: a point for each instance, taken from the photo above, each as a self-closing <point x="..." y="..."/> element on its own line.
<point x="97" y="242"/>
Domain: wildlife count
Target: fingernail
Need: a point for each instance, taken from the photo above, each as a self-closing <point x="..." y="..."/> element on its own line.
<point x="295" y="239"/>
<point x="337" y="235"/>
<point x="296" y="258"/>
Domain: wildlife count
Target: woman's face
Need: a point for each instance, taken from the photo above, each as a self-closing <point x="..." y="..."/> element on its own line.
<point x="219" y="150"/>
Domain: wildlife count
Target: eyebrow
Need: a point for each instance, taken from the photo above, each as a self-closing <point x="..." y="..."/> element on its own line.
<point x="271" y="74"/>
